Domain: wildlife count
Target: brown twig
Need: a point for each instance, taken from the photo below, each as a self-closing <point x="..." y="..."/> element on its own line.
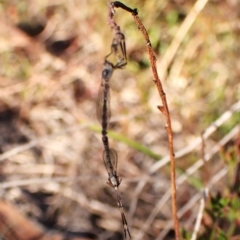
<point x="163" y="108"/>
<point x="204" y="193"/>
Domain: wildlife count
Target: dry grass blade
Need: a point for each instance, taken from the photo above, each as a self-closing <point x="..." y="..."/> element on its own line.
<point x="181" y="33"/>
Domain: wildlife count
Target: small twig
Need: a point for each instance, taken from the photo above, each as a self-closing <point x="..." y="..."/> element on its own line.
<point x="205" y="192"/>
<point x="200" y="214"/>
<point x="163" y="109"/>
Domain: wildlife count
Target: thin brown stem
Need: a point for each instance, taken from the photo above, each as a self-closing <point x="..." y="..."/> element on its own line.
<point x="163" y="109"/>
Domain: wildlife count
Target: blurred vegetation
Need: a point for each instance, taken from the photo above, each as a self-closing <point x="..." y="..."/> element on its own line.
<point x="51" y="56"/>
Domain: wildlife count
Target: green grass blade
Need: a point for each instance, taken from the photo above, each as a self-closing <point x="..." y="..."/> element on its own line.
<point x="128" y="142"/>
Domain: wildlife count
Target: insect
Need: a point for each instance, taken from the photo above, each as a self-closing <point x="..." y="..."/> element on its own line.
<point x="110" y="157"/>
<point x="110" y="160"/>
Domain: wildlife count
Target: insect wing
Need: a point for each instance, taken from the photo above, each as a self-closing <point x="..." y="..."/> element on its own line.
<point x="110" y="160"/>
<point x="119" y="50"/>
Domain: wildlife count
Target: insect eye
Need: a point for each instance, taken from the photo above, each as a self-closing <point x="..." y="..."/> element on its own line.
<point x="105" y="73"/>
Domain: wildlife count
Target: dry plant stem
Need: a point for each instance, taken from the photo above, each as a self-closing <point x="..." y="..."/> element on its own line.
<point x="200" y="214"/>
<point x="163" y="109"/>
<point x="205" y="192"/>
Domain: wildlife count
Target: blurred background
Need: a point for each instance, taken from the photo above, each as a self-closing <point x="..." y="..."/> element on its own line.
<point x="52" y="173"/>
